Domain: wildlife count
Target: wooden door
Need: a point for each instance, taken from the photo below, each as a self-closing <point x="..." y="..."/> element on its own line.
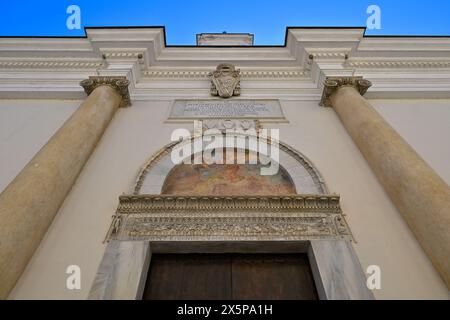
<point x="229" y="276"/>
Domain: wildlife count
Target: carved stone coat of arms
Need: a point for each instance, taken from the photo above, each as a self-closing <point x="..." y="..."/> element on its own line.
<point x="225" y="81"/>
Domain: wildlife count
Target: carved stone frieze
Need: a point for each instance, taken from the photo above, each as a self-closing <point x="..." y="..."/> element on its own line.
<point x="225" y="81"/>
<point x="331" y="84"/>
<point x="166" y="217"/>
<point x="161" y="203"/>
<point x="228" y="124"/>
<point x="120" y="84"/>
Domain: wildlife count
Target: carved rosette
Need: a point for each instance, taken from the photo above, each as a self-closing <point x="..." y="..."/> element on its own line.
<point x="331" y="84"/>
<point x="120" y="84"/>
<point x="225" y="81"/>
<point x="194" y="218"/>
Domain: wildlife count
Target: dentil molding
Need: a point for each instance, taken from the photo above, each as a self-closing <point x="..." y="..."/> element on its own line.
<point x="52" y="67"/>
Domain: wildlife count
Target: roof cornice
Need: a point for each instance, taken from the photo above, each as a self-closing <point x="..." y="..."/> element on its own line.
<point x="418" y="65"/>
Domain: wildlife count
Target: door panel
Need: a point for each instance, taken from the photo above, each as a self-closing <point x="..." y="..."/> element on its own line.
<point x="189" y="276"/>
<point x="276" y="277"/>
<point x="229" y="276"/>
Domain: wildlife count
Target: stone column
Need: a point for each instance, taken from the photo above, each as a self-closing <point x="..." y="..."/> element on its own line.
<point x="419" y="194"/>
<point x="30" y="202"/>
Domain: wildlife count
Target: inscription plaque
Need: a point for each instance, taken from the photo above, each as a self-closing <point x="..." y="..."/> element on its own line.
<point x="226" y="109"/>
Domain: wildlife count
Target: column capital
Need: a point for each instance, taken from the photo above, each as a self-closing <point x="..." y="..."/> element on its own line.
<point x="331" y="84"/>
<point x="120" y="84"/>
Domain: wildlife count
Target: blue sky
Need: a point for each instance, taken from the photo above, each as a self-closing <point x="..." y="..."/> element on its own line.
<point x="267" y="19"/>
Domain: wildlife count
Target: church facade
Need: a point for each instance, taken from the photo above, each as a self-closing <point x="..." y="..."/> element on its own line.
<point x="132" y="169"/>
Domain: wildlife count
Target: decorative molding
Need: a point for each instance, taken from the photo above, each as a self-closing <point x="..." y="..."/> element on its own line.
<point x="184" y="74"/>
<point x="328" y="55"/>
<point x="398" y="64"/>
<point x="123" y="54"/>
<point x="225" y="81"/>
<point x="181" y="218"/>
<point x="203" y="74"/>
<point x="129" y="204"/>
<point x="120" y="84"/>
<point x="331" y="84"/>
<point x="274" y="74"/>
<point x="36" y="64"/>
<point x="407" y="67"/>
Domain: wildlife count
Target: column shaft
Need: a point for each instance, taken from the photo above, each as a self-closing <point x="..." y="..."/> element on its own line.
<point x="420" y="195"/>
<point x="30" y="202"/>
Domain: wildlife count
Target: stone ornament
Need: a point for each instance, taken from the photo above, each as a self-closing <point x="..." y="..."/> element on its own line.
<point x="197" y="218"/>
<point x="293" y="73"/>
<point x="331" y="84"/>
<point x="225" y="81"/>
<point x="229" y="124"/>
<point x="301" y="160"/>
<point x="120" y="84"/>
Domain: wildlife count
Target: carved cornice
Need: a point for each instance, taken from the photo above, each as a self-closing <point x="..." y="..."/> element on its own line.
<point x="115" y="56"/>
<point x="120" y="84"/>
<point x="289" y="203"/>
<point x="331" y="84"/>
<point x="228" y="218"/>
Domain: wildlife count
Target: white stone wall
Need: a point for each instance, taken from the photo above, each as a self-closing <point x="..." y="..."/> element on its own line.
<point x="425" y="125"/>
<point x="25" y="126"/>
<point x="135" y="133"/>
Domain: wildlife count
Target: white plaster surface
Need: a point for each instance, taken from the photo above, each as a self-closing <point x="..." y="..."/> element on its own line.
<point x="25" y="126"/>
<point x="425" y="125"/>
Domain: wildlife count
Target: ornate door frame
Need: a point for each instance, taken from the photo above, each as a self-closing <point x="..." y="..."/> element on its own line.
<point x="337" y="273"/>
<point x="147" y="222"/>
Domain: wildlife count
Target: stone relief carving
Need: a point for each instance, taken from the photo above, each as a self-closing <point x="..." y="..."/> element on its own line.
<point x="227" y="124"/>
<point x="225" y="81"/>
<point x="120" y="84"/>
<point x="168" y="217"/>
<point x="331" y="84"/>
